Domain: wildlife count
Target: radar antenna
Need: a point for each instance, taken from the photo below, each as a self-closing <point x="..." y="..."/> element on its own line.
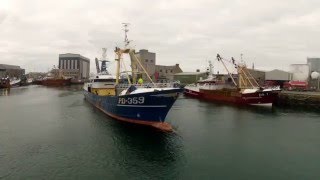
<point x="104" y="54"/>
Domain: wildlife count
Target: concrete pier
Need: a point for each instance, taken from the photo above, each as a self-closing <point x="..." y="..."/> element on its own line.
<point x="299" y="99"/>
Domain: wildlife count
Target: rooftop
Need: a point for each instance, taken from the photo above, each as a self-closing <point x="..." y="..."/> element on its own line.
<point x="7" y="66"/>
<point x="190" y="73"/>
<point x="66" y="55"/>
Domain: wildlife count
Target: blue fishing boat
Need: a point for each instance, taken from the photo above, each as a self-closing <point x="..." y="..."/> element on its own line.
<point x="145" y="104"/>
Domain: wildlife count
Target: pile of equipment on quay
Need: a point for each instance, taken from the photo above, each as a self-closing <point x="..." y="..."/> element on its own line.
<point x="140" y="104"/>
<point x="246" y="91"/>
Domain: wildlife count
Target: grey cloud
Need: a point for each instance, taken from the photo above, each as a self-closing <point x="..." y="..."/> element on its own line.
<point x="3" y="15"/>
<point x="271" y="33"/>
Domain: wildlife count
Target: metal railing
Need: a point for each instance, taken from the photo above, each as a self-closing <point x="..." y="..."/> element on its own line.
<point x="150" y="85"/>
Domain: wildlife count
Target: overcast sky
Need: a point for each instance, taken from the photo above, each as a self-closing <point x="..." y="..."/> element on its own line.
<point x="270" y="33"/>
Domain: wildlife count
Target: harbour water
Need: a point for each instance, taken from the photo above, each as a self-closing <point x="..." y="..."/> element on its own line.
<point x="53" y="133"/>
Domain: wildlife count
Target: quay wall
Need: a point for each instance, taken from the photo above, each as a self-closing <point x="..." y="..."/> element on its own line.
<point x="299" y="99"/>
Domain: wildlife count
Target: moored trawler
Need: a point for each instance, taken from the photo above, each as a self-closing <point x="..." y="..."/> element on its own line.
<point x="4" y="83"/>
<point x="56" y="82"/>
<point x="246" y="92"/>
<point x="9" y="83"/>
<point x="130" y="102"/>
<point x="55" y="78"/>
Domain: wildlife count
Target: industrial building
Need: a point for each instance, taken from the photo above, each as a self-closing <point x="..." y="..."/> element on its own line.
<point x="314" y="64"/>
<point x="189" y="77"/>
<point x="277" y="77"/>
<point x="74" y="65"/>
<point x="11" y="71"/>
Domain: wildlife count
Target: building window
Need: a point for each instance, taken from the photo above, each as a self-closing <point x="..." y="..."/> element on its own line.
<point x="171" y="71"/>
<point x="160" y="70"/>
<point x="146" y="60"/>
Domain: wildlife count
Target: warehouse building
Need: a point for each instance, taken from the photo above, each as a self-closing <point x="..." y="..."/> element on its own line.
<point x="258" y="75"/>
<point x="11" y="71"/>
<point x="189" y="77"/>
<point x="74" y="65"/>
<point x="277" y="77"/>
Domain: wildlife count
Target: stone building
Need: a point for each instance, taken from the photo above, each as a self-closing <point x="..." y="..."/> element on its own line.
<point x="74" y="65"/>
<point x="11" y="71"/>
<point x="158" y="73"/>
<point x="148" y="61"/>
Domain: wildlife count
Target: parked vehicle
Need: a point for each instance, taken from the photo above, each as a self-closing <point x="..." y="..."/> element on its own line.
<point x="296" y="86"/>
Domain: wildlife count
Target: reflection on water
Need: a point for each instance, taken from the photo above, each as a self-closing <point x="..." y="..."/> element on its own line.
<point x="4" y="92"/>
<point x="144" y="149"/>
<point x="13" y="91"/>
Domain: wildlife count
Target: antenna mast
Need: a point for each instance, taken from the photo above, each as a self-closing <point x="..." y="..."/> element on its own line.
<point x="126" y="30"/>
<point x="210" y="68"/>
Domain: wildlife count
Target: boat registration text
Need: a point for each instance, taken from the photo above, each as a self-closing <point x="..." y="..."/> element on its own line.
<point x="133" y="100"/>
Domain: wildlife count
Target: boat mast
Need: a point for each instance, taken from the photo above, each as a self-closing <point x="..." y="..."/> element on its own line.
<point x="242" y="70"/>
<point x="220" y="59"/>
<point x="210" y="68"/>
<point x="129" y="51"/>
<point x="119" y="52"/>
<point x="126" y="30"/>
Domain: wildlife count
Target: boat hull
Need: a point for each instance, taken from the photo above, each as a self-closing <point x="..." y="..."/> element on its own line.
<point x="76" y="81"/>
<point x="192" y="93"/>
<point x="235" y="97"/>
<point x="56" y="82"/>
<point x="7" y="83"/>
<point x="232" y="96"/>
<point x="4" y="83"/>
<point x="143" y="108"/>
